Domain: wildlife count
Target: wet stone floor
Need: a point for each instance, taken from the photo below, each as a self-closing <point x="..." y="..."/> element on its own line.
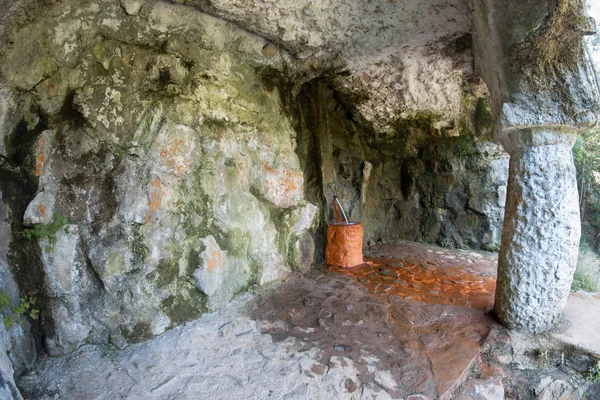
<point x="407" y="324"/>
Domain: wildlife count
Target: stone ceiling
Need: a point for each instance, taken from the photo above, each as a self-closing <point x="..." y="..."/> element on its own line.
<point x="389" y="59"/>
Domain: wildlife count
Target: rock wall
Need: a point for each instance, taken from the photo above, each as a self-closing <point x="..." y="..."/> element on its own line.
<point x="8" y="388"/>
<point x="17" y="345"/>
<point x="416" y="182"/>
<point x="162" y="174"/>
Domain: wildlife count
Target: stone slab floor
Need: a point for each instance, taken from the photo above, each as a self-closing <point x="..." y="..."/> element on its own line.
<point x="413" y="322"/>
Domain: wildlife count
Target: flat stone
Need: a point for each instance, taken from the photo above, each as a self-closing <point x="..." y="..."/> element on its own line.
<point x="482" y="389"/>
<point x="554" y="389"/>
<point x="387" y="272"/>
<point x="132" y="7"/>
<point x="582" y="315"/>
<point x="386" y="380"/>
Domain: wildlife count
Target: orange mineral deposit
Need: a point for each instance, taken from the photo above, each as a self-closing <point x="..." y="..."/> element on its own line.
<point x="344" y="244"/>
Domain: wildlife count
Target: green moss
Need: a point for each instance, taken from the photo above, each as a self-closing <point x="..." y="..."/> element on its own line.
<point x="236" y="242"/>
<point x="196" y="208"/>
<point x="294" y="257"/>
<point x="140" y="333"/>
<point x="463" y="145"/>
<point x="138" y="248"/>
<point x="278" y="217"/>
<point x="456" y="146"/>
<point x="255" y="272"/>
<point x="555" y="43"/>
<point x="410" y="135"/>
<point x="422" y="120"/>
<point x="194" y="259"/>
<point x="166" y="272"/>
<point x="186" y="305"/>
<point x="484" y="122"/>
<point x="212" y="123"/>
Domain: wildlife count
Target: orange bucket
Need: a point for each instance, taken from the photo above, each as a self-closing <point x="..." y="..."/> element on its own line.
<point x="344" y="244"/>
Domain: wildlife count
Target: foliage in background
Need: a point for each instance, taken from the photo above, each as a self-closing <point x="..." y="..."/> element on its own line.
<point x="587" y="274"/>
<point x="586" y="154"/>
<point x="13" y="314"/>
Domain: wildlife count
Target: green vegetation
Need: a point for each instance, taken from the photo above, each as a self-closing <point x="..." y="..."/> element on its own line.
<point x="586" y="154"/>
<point x="13" y="313"/>
<point x="594" y="373"/>
<point x="48" y="231"/>
<point x="587" y="275"/>
<point x="185" y="304"/>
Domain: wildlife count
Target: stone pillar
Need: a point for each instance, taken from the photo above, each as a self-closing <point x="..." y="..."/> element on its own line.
<point x="541" y="230"/>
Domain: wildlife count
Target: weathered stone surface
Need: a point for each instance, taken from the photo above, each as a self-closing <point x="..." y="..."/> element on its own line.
<point x="550" y="389"/>
<point x="388" y="73"/>
<point x="8" y="388"/>
<point x="17" y="345"/>
<point x="9" y="115"/>
<point x="436" y="343"/>
<point x="40" y="210"/>
<point x="514" y="53"/>
<point x="372" y="391"/>
<point x="151" y="133"/>
<point x="132" y="7"/>
<point x="440" y="185"/>
<point x="544" y="92"/>
<point x="582" y="316"/>
<point x="479" y="389"/>
<point x="541" y="230"/>
<point x="535" y="365"/>
<point x="244" y="364"/>
<point x="71" y="287"/>
<point x="219" y="276"/>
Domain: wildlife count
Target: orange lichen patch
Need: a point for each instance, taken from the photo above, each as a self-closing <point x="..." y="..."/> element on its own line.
<point x="42" y="210"/>
<point x="283" y="186"/>
<point x="215" y="260"/>
<point x="425" y="283"/>
<point x="175" y="153"/>
<point x="344" y="245"/>
<point x="41" y="157"/>
<point x="156" y="195"/>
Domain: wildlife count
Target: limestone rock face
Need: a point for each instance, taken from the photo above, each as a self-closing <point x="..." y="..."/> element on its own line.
<point x="8" y="388"/>
<point x="533" y="61"/>
<point x="17" y="346"/>
<point x="391" y="59"/>
<point x="420" y="183"/>
<point x="163" y="172"/>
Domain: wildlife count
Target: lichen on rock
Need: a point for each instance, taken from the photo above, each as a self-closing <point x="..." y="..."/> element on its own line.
<point x="156" y="133"/>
